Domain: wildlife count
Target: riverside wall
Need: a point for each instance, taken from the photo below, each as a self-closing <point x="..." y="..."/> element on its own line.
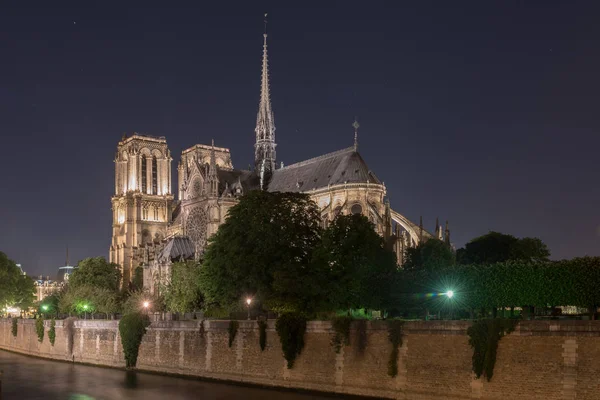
<point x="540" y="359"/>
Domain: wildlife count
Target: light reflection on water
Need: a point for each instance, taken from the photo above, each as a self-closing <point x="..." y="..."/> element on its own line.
<point x="32" y="378"/>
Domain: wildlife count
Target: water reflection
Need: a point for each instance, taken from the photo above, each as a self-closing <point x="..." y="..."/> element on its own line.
<point x="32" y="378"/>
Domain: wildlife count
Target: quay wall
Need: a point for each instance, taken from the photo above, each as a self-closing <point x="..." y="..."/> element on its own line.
<point x="540" y="359"/>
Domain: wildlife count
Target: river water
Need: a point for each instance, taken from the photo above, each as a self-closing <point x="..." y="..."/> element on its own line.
<point x="32" y="378"/>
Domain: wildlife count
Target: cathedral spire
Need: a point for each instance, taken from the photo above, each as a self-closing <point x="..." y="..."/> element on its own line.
<point x="264" y="148"/>
<point x="67" y="260"/>
<point x="213" y="179"/>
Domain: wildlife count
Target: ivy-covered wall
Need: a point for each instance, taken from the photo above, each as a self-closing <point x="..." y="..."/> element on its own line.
<point x="540" y="359"/>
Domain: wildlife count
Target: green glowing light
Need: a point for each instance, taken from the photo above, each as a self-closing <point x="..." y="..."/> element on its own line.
<point x="45" y="307"/>
<point x="450" y="294"/>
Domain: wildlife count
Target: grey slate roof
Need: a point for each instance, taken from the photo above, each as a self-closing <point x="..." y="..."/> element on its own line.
<point x="330" y="169"/>
<point x="248" y="179"/>
<point x="178" y="246"/>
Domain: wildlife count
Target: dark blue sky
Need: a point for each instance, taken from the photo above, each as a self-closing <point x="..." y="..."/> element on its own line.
<point x="482" y="112"/>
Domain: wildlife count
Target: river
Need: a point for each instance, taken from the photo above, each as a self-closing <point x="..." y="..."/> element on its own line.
<point x="33" y="378"/>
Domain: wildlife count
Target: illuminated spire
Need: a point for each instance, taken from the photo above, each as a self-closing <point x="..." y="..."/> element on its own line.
<point x="264" y="148"/>
<point x="213" y="179"/>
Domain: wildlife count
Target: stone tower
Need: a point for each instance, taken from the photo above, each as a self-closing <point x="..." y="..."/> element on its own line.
<point x="142" y="202"/>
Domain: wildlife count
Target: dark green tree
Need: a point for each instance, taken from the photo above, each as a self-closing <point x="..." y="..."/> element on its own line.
<point x="138" y="279"/>
<point x="183" y="292"/>
<point x="263" y="250"/>
<point x="432" y="254"/>
<point x="16" y="289"/>
<point x="96" y="272"/>
<point x="359" y="269"/>
<point x="499" y="247"/>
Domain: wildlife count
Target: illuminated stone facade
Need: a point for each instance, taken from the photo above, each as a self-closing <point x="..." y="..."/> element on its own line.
<point x="152" y="230"/>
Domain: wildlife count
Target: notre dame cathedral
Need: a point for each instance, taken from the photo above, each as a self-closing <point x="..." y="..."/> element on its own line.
<point x="152" y="229"/>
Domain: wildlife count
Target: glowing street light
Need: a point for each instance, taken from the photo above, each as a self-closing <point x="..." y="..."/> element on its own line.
<point x="146" y="305"/>
<point x="85" y="307"/>
<point x="450" y="294"/>
<point x="248" y="301"/>
<point x="45" y="307"/>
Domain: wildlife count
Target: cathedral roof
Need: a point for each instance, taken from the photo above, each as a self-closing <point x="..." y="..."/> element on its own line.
<point x="231" y="178"/>
<point x="177" y="247"/>
<point x="343" y="166"/>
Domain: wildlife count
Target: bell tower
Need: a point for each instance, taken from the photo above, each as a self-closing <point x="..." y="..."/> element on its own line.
<point x="142" y="202"/>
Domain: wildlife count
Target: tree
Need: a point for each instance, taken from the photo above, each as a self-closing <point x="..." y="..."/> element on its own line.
<point x="16" y="289"/>
<point x="138" y="279"/>
<point x="360" y="270"/>
<point x="498" y="247"/>
<point x="183" y="292"/>
<point x="432" y="254"/>
<point x="96" y="272"/>
<point x="263" y="250"/>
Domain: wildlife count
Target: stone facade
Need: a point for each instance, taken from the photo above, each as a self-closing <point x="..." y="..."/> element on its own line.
<point x="541" y="359"/>
<point x="146" y="216"/>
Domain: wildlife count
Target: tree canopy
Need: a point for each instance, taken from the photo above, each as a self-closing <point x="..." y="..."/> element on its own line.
<point x="432" y="254"/>
<point x="96" y="272"/>
<point x="263" y="250"/>
<point x="182" y="294"/>
<point x="16" y="289"/>
<point x="499" y="247"/>
<point x="357" y="266"/>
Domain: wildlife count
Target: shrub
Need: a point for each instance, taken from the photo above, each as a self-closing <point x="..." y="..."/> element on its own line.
<point x="291" y="328"/>
<point x="14" y="327"/>
<point x="395" y="337"/>
<point x="233" y="328"/>
<point x="39" y="328"/>
<point x="484" y="336"/>
<point x="52" y="332"/>
<point x="132" y="328"/>
<point x="262" y="339"/>
<point x="341" y="326"/>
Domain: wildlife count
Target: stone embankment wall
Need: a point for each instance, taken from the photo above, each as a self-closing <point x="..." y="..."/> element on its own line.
<point x="542" y="360"/>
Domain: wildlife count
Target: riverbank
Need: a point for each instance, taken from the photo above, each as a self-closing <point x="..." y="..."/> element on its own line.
<point x="434" y="362"/>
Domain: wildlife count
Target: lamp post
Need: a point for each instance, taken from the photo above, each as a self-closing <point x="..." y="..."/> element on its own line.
<point x="146" y="305"/>
<point x="85" y="307"/>
<point x="248" y="301"/>
<point x="45" y="307"/>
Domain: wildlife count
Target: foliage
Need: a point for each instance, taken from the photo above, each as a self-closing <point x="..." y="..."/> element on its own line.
<point x="431" y="254"/>
<point x="51" y="303"/>
<point x="39" y="329"/>
<point x="138" y="279"/>
<point x="262" y="339"/>
<point x="135" y="302"/>
<point x="341" y="327"/>
<point x="16" y="289"/>
<point x="132" y="328"/>
<point x="497" y="247"/>
<point x="14" y="327"/>
<point x="358" y="268"/>
<point x="232" y="329"/>
<point x="96" y="272"/>
<point x="395" y="337"/>
<point x="183" y="292"/>
<point x="291" y="328"/>
<point x="361" y="335"/>
<point x="263" y="249"/>
<point x="88" y="298"/>
<point x="484" y="336"/>
<point x="52" y="332"/>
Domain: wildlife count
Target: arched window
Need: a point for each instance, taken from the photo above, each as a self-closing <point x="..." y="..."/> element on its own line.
<point x="154" y="176"/>
<point x="144" y="176"/>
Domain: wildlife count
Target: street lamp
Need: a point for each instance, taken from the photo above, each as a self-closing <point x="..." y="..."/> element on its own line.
<point x="450" y="294"/>
<point x="85" y="307"/>
<point x="45" y="307"/>
<point x="248" y="301"/>
<point x="146" y="304"/>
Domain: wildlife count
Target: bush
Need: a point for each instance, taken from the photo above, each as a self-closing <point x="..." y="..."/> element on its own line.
<point x="484" y="336"/>
<point x="132" y="328"/>
<point x="39" y="328"/>
<point x="291" y="328"/>
<point x="52" y="332"/>
<point x="14" y="327"/>
<point x="262" y="339"/>
<point x="341" y="326"/>
<point x="395" y="337"/>
<point x="233" y="328"/>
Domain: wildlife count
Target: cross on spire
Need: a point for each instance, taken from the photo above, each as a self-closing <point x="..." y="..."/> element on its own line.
<point x="356" y="125"/>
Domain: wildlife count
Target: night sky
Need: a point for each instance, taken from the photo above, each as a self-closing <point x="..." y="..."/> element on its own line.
<point x="483" y="113"/>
